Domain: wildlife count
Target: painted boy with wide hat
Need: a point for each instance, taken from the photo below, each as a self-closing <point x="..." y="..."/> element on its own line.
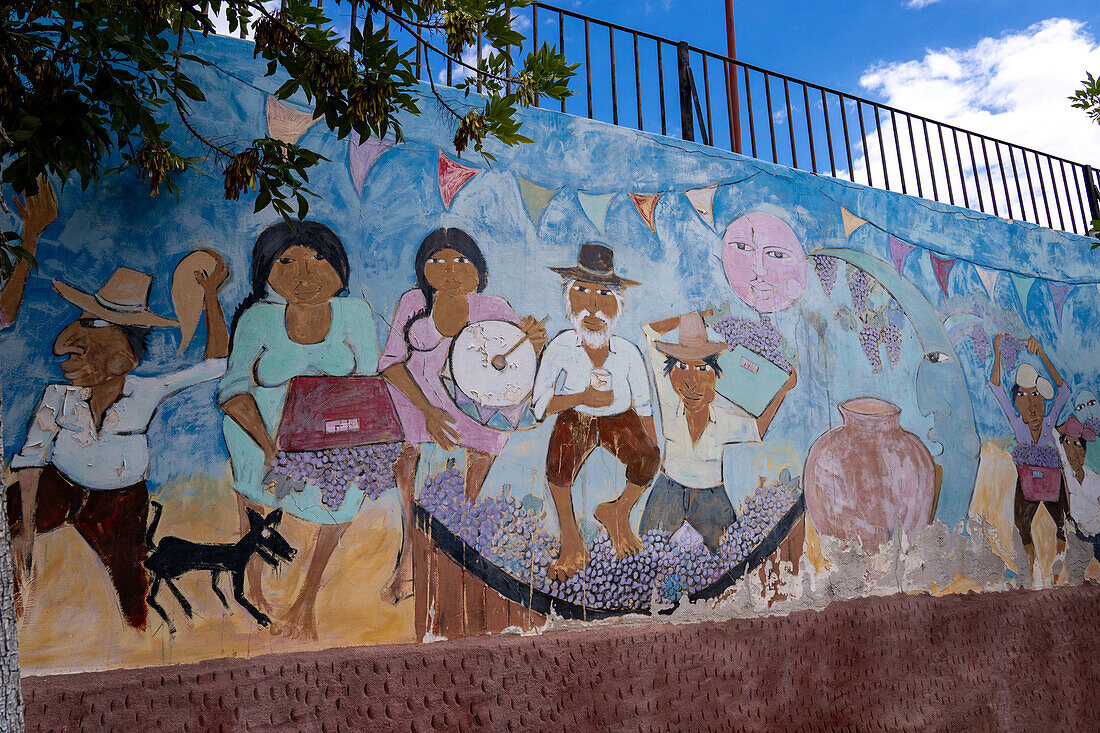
<point x="597" y="386"/>
<point x="697" y="424"/>
<point x="86" y="455"/>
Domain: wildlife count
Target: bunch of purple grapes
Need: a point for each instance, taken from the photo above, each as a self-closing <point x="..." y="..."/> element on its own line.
<point x="982" y="342"/>
<point x="869" y="338"/>
<point x="334" y="471"/>
<point x="1010" y="349"/>
<point x="760" y="511"/>
<point x="860" y="284"/>
<point x="758" y="336"/>
<point x="826" y="268"/>
<point x="891" y="332"/>
<point x="1045" y="456"/>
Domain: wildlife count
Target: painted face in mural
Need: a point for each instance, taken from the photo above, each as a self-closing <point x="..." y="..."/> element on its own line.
<point x="1085" y="406"/>
<point x="450" y="272"/>
<point x="764" y="262"/>
<point x="694" y="381"/>
<point x="1031" y="405"/>
<point x="96" y="351"/>
<point x="593" y="310"/>
<point x="303" y="277"/>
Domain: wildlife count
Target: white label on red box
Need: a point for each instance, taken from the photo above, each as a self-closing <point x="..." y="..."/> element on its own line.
<point x="347" y="425"/>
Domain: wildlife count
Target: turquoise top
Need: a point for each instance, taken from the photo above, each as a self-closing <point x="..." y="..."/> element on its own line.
<point x="263" y="361"/>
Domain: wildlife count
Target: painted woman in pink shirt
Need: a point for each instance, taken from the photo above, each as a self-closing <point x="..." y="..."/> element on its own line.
<point x="450" y="276"/>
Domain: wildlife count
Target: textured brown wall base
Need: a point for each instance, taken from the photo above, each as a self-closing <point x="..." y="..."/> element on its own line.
<point x="1020" y="660"/>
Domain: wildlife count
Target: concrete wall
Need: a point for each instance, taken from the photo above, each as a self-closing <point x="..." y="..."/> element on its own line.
<point x="862" y="295"/>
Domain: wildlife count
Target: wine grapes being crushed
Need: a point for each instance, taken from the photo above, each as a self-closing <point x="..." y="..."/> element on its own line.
<point x="334" y="471"/>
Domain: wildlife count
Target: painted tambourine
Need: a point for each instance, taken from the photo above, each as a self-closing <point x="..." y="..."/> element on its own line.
<point x="491" y="374"/>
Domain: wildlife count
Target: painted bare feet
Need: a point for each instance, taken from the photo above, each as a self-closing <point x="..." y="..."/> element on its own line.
<point x="569" y="563"/>
<point x="301" y="621"/>
<point x="398" y="589"/>
<point x="615" y="518"/>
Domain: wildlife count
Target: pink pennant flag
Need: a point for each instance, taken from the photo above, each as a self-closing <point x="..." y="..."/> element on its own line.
<point x="646" y="204"/>
<point x="452" y="177"/>
<point x="899" y="250"/>
<point x="942" y="268"/>
<point x="1059" y="293"/>
<point x="361" y="156"/>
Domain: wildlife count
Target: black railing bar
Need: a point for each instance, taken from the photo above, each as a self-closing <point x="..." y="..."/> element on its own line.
<point x="847" y="142"/>
<point x="779" y="75"/>
<point x="638" y="82"/>
<point x="588" y="67"/>
<point x="974" y="170"/>
<point x="931" y="164"/>
<point x="989" y="177"/>
<point x="790" y="122"/>
<point x="1004" y="180"/>
<point x="771" y="119"/>
<point x="809" y="128"/>
<point x="897" y="149"/>
<point x="962" y="171"/>
<point x="561" y="42"/>
<point x="706" y="98"/>
<point x="863" y="143"/>
<point x="1057" y="201"/>
<point x="946" y="164"/>
<point x="1065" y="187"/>
<point x="881" y="148"/>
<point x="1030" y="187"/>
<point x="1043" y="193"/>
<point x="748" y="105"/>
<point x="614" y="87"/>
<point x="828" y="133"/>
<point x="913" y="147"/>
<point x="661" y="86"/>
<point x="698" y="107"/>
<point x="1016" y="180"/>
<point x="1084" y="203"/>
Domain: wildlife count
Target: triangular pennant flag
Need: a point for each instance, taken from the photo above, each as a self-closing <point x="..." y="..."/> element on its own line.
<point x="702" y="199"/>
<point x="942" y="268"/>
<point x="595" y="206"/>
<point x="486" y="413"/>
<point x="988" y="278"/>
<point x="452" y="177"/>
<point x="646" y="204"/>
<point x="1059" y="293"/>
<point x="851" y="221"/>
<point x="899" y="250"/>
<point x="513" y="414"/>
<point x="536" y="198"/>
<point x="1023" y="287"/>
<point x="286" y="123"/>
<point x="361" y="156"/>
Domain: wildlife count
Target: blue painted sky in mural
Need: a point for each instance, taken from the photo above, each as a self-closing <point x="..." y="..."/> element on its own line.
<point x="119" y="224"/>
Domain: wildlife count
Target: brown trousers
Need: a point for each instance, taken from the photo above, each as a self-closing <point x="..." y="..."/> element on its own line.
<point x="111" y="521"/>
<point x="577" y="434"/>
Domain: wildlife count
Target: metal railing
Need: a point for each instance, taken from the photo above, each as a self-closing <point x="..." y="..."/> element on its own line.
<point x="776" y="117"/>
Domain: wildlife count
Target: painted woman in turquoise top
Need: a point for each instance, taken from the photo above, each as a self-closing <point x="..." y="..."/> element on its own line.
<point x="292" y="323"/>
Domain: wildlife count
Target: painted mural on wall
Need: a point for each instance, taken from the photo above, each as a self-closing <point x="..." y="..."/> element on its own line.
<point x="606" y="375"/>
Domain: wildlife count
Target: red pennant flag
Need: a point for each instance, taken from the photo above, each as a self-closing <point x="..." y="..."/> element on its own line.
<point x="646" y="204"/>
<point x="452" y="177"/>
<point x="942" y="268"/>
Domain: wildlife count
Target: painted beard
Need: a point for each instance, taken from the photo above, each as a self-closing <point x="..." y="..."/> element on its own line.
<point x="593" y="339"/>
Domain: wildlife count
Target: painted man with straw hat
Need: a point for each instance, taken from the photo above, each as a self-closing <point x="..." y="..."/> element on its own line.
<point x="597" y="386"/>
<point x="697" y="423"/>
<point x="86" y="455"/>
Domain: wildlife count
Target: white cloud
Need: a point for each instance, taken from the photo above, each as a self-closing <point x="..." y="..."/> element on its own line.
<point x="1014" y="88"/>
<point x="918" y="4"/>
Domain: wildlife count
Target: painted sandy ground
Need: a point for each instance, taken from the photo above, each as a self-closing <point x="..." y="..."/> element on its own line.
<point x="74" y="623"/>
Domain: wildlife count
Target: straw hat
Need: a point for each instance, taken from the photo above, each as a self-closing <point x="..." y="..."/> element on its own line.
<point x="595" y="264"/>
<point x="124" y="300"/>
<point x="694" y="343"/>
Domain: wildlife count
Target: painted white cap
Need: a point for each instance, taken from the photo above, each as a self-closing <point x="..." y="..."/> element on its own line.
<point x="1027" y="377"/>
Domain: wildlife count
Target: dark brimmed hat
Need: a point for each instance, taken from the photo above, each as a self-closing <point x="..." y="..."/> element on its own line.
<point x="596" y="264"/>
<point x="694" y="343"/>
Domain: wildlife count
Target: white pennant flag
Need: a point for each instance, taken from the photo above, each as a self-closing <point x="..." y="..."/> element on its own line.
<point x="702" y="199"/>
<point x="988" y="278"/>
<point x="595" y="206"/>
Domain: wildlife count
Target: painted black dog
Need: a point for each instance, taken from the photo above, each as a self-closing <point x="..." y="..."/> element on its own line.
<point x="172" y="557"/>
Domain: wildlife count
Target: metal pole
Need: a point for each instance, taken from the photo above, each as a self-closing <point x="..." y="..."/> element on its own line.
<point x="1093" y="194"/>
<point x="687" y="122"/>
<point x="731" y="72"/>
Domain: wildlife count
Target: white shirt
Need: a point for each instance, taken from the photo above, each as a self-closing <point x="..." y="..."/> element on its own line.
<point x="63" y="433"/>
<point x="1084" y="496"/>
<point x="698" y="465"/>
<point x="565" y="369"/>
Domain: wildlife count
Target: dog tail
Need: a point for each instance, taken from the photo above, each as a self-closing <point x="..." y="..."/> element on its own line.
<point x="157" y="509"/>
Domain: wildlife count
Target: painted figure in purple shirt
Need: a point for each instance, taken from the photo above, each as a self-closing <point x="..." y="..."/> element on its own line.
<point x="1038" y="467"/>
<point x="450" y="276"/>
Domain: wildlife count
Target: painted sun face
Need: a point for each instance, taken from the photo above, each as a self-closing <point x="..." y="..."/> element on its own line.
<point x="764" y="262"/>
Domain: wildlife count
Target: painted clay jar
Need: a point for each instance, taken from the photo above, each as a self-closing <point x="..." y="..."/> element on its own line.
<point x="867" y="477"/>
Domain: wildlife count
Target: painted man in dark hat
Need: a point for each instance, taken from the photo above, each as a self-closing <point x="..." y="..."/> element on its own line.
<point x="86" y="456"/>
<point x="597" y="385"/>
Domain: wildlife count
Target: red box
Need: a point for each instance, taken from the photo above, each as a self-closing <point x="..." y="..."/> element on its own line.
<point x="1040" y="483"/>
<point x="321" y="413"/>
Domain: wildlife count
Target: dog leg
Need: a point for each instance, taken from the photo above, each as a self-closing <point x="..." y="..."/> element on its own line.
<point x="214" y="575"/>
<point x="152" y="600"/>
<point x="238" y="593"/>
<point x="184" y="603"/>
